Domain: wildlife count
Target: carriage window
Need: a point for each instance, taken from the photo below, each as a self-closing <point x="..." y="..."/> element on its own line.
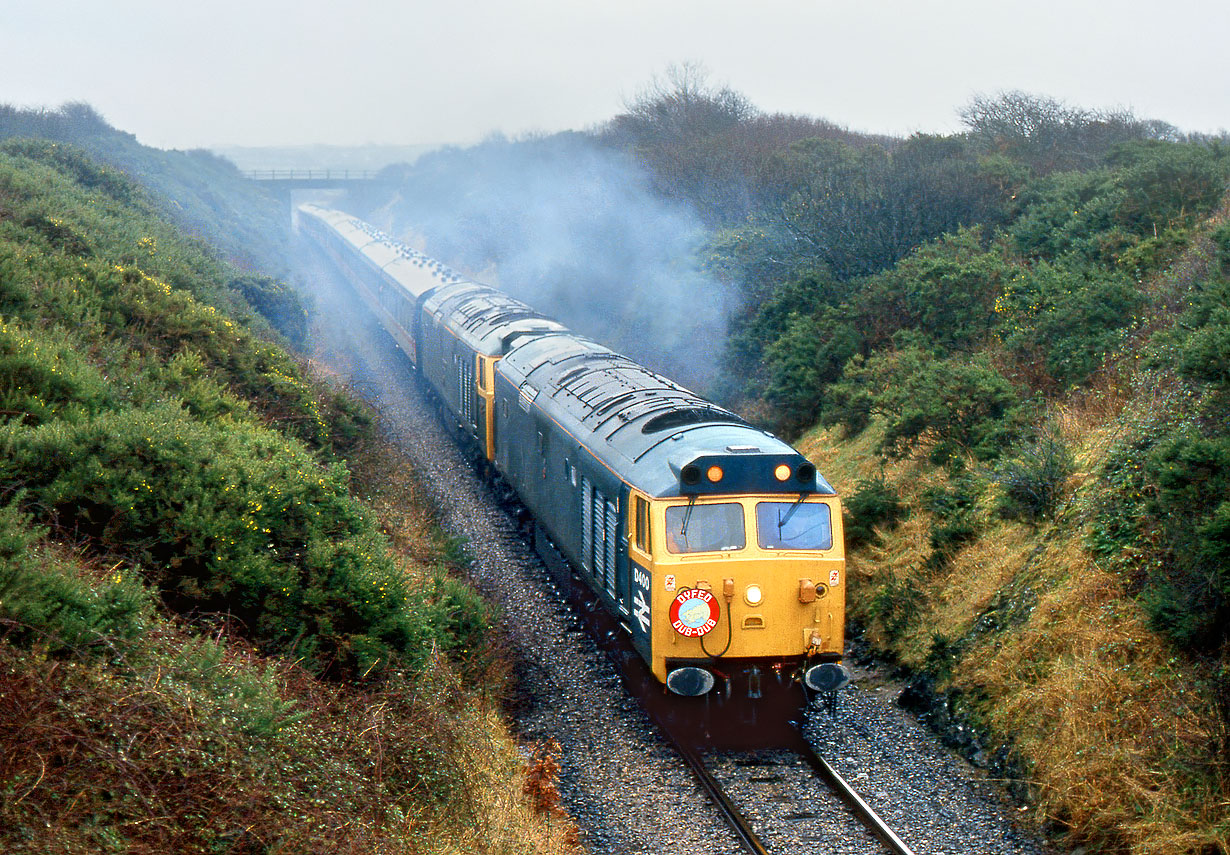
<point x="705" y="528"/>
<point x="793" y="525"/>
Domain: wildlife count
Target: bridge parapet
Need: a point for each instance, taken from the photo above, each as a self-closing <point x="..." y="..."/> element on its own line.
<point x="285" y="183"/>
<point x="311" y="174"/>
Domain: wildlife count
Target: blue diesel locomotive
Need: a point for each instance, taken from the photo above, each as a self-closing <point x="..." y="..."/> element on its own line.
<point x="716" y="546"/>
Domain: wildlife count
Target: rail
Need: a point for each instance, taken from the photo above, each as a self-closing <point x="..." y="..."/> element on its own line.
<point x="853" y="800"/>
<point x="737" y="822"/>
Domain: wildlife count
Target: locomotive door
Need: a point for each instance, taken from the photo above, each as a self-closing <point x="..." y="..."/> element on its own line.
<point x="637" y="559"/>
<point x="484" y="403"/>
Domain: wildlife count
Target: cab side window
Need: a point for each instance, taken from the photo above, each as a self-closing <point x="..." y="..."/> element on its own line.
<point x="642" y="524"/>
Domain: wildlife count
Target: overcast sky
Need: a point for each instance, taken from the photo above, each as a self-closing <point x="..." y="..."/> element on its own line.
<point x="265" y="72"/>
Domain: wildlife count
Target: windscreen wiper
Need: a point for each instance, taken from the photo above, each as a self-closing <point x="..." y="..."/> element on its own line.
<point x="687" y="516"/>
<point x="782" y="520"/>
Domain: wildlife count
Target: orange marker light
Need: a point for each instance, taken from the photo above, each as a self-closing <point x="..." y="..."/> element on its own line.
<point x="715" y="473"/>
<point x="782" y="473"/>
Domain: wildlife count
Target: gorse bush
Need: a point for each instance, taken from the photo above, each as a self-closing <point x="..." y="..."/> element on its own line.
<point x="807" y="359"/>
<point x="174" y="516"/>
<point x="944" y="291"/>
<point x="954" y="508"/>
<point x="137" y="422"/>
<point x="223" y="517"/>
<point x="203" y="194"/>
<point x="1191" y="601"/>
<point x="42" y="378"/>
<point x="277" y="303"/>
<point x="1189" y="471"/>
<point x="145" y="296"/>
<point x="1060" y="322"/>
<point x="43" y="601"/>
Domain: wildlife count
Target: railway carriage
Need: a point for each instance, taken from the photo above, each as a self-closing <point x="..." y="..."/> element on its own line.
<point x="392" y="279"/>
<point x="717" y="546"/>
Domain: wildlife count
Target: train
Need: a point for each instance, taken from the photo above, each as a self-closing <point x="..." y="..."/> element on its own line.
<point x="714" y="545"/>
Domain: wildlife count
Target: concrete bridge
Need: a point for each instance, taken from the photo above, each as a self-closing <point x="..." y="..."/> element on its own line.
<point x="284" y="182"/>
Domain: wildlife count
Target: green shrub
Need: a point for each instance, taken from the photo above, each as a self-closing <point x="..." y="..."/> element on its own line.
<point x="947" y="535"/>
<point x="1190" y="600"/>
<point x="953" y="506"/>
<point x="1184" y="479"/>
<point x="1031" y="477"/>
<point x="961" y="405"/>
<point x="277" y="303"/>
<point x="1067" y="318"/>
<point x="1221" y="244"/>
<point x="77" y="165"/>
<point x="807" y="357"/>
<point x="1137" y="258"/>
<point x="1204" y="356"/>
<point x="1062" y="214"/>
<point x="896" y="604"/>
<point x="43" y="377"/>
<point x="945" y="290"/>
<point x="873" y="504"/>
<point x="245" y="695"/>
<point x="1147" y="190"/>
<point x="1168" y="184"/>
<point x="459" y="620"/>
<point x="187" y="377"/>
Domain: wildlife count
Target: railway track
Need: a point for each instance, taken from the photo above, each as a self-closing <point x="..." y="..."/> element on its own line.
<point x="623" y="783"/>
<point x="740" y="824"/>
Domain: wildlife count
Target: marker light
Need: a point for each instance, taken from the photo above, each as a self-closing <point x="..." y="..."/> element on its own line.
<point x="753" y="595"/>
<point x="715" y="473"/>
<point x="782" y="473"/>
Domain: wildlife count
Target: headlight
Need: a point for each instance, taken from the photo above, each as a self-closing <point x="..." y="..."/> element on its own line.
<point x="753" y="595"/>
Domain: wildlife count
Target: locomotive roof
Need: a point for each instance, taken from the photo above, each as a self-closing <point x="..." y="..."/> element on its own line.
<point x="487" y="320"/>
<point x="639" y="423"/>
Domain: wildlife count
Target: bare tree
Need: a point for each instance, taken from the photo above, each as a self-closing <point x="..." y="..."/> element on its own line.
<point x="682" y="103"/>
<point x="1048" y="134"/>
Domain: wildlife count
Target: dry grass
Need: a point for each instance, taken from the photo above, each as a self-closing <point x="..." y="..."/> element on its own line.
<point x="157" y="757"/>
<point x="1111" y="725"/>
<point x="1055" y="658"/>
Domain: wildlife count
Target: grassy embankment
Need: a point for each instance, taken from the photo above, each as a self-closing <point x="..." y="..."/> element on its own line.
<point x="207" y="642"/>
<point x="1024" y="592"/>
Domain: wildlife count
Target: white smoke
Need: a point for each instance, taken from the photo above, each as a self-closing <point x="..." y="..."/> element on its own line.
<point x="575" y="230"/>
